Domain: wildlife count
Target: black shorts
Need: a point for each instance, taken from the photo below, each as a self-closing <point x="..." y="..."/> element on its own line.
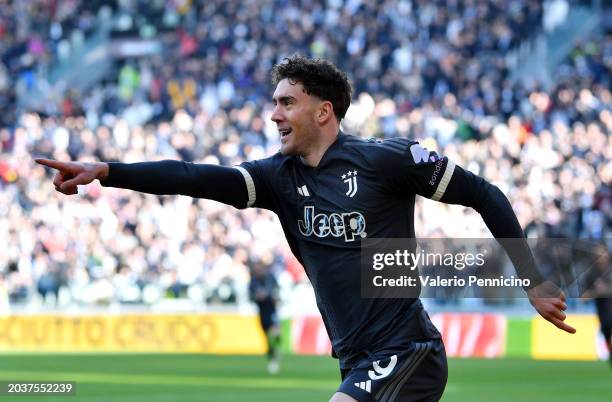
<point x="418" y="373"/>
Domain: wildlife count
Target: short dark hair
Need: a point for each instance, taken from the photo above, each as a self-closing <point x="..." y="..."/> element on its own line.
<point x="319" y="78"/>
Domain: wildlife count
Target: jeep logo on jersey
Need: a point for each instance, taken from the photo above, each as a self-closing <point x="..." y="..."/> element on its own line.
<point x="349" y="224"/>
<point x="382" y="372"/>
<point x="350" y="178"/>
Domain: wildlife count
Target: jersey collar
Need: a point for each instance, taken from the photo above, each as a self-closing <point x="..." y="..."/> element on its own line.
<point x="327" y="154"/>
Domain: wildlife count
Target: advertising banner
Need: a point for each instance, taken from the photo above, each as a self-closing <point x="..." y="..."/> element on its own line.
<point x="472" y="335"/>
<point x="149" y="333"/>
<point x="549" y="343"/>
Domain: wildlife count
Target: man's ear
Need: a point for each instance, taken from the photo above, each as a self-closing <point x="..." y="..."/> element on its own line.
<point x="325" y="112"/>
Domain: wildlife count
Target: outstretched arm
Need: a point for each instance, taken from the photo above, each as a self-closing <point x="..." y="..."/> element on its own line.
<point x="487" y="199"/>
<point x="409" y="168"/>
<point x="219" y="183"/>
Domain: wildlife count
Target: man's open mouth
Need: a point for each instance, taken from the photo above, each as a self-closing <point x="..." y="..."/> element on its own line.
<point x="285" y="131"/>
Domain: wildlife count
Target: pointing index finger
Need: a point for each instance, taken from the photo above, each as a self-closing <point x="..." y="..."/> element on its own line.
<point x="52" y="163"/>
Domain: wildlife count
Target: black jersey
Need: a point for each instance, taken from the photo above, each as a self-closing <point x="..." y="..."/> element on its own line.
<point x="360" y="189"/>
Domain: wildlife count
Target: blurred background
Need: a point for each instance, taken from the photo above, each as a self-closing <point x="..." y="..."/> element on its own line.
<point x="517" y="91"/>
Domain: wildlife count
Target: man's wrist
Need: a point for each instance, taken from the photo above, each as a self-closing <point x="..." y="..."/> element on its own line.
<point x="103" y="171"/>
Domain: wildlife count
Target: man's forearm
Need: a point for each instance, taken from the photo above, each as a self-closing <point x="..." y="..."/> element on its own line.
<point x="498" y="215"/>
<point x="219" y="183"/>
<point x="473" y="191"/>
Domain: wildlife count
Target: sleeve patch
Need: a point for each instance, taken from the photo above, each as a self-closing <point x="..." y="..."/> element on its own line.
<point x="422" y="155"/>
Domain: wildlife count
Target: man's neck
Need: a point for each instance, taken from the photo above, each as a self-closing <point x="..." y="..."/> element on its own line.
<point x="313" y="158"/>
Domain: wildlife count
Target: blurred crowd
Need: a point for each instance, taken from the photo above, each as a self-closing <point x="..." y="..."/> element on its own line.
<point x="221" y="51"/>
<point x="34" y="35"/>
<point x="429" y="70"/>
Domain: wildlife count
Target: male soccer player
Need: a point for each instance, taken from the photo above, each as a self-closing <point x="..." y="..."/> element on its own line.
<point x="603" y="306"/>
<point x="263" y="290"/>
<point x="330" y="190"/>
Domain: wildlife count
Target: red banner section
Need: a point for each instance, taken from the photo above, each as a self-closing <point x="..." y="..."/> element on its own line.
<point x="472" y="335"/>
<point x="465" y="335"/>
<point x="309" y="337"/>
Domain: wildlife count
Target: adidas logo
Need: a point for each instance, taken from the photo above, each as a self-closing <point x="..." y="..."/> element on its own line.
<point x="303" y="191"/>
<point x="365" y="385"/>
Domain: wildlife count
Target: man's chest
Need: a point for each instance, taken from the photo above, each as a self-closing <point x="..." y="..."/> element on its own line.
<point x="335" y="203"/>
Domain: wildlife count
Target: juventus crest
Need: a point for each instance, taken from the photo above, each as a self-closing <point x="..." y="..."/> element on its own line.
<point x="350" y="178"/>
